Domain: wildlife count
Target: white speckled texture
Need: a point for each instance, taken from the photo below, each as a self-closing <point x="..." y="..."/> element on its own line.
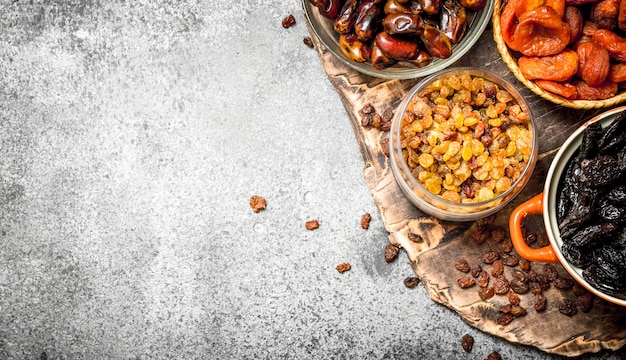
<point x="132" y="135"/>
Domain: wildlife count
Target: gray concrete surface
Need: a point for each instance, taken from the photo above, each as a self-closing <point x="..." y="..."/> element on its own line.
<point x="132" y="135"/>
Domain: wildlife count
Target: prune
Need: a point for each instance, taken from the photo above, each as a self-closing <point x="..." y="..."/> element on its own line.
<point x="462" y="265"/>
<point x="617" y="195"/>
<point x="540" y="302"/>
<point x="599" y="171"/>
<point x="591" y="234"/>
<point x="612" y="213"/>
<point x="613" y="135"/>
<point x="467" y="342"/>
<point x="501" y="285"/>
<point x="490" y="256"/>
<point x="466" y="282"/>
<point x="568" y="307"/>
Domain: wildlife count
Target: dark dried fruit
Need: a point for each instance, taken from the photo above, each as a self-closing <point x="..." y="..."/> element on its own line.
<point x="365" y="220"/>
<point x="481" y="234"/>
<point x="519" y="287"/>
<point x="501" y="285"/>
<point x="415" y="237"/>
<point x="585" y="302"/>
<point x="490" y="256"/>
<point x="513" y="298"/>
<point x="289" y="21"/>
<point x="535" y="288"/>
<point x="520" y="275"/>
<point x="486" y="292"/>
<point x="466" y="282"/>
<point x="505" y="318"/>
<point x="568" y="307"/>
<point x="509" y="260"/>
<point x="391" y="252"/>
<point x="312" y="224"/>
<point x="343" y="267"/>
<point x="498" y="234"/>
<point x="540" y="302"/>
<point x="462" y="265"/>
<point x="476" y="270"/>
<point x="257" y="203"/>
<point x="467" y="342"/>
<point x="308" y="42"/>
<point x="483" y="279"/>
<point x="524" y="265"/>
<point x="550" y="272"/>
<point x="497" y="268"/>
<point x="494" y="355"/>
<point x="518" y="311"/>
<point x="411" y="282"/>
<point x="563" y="283"/>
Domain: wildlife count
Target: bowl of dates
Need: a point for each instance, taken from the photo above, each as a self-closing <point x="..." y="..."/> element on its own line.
<point x="398" y="39"/>
<point x="583" y="204"/>
<point x="570" y="52"/>
<point x="462" y="144"/>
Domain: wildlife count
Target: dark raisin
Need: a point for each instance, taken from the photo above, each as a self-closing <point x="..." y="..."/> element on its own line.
<point x="505" y="318"/>
<point x="519" y="286"/>
<point x="308" y="42"/>
<point x="506" y="308"/>
<point x="490" y="256"/>
<point x="366" y="110"/>
<point x="550" y="272"/>
<point x="563" y="283"/>
<point x="387" y="115"/>
<point x="476" y="270"/>
<point x="498" y="234"/>
<point x="568" y="307"/>
<point x="467" y="342"/>
<point x="486" y="293"/>
<point x="411" y="282"/>
<point x="543" y="282"/>
<point x="532" y="275"/>
<point x="312" y="224"/>
<point x="585" y="301"/>
<point x="376" y="121"/>
<point x="524" y="265"/>
<point x="513" y="298"/>
<point x="509" y="260"/>
<point x="415" y="237"/>
<point x="535" y="288"/>
<point x="343" y="267"/>
<point x="506" y="245"/>
<point x="486" y="221"/>
<point x="257" y="203"/>
<point x="384" y="145"/>
<point x="540" y="302"/>
<point x="494" y="356"/>
<point x="468" y="189"/>
<point x="517" y="311"/>
<point x="391" y="252"/>
<point x="462" y="265"/>
<point x="481" y="234"/>
<point x="530" y="238"/>
<point x="520" y="275"/>
<point x="483" y="279"/>
<point x="497" y="268"/>
<point x="289" y="21"/>
<point x="466" y="282"/>
<point x="501" y="285"/>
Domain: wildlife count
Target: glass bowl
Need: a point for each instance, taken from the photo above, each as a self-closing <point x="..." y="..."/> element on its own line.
<point x="323" y="29"/>
<point x="478" y="206"/>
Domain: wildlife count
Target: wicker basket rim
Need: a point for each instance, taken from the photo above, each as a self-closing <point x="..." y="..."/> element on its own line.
<point x="510" y="61"/>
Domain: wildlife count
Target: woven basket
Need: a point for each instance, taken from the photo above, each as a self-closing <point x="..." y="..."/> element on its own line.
<point x="511" y="62"/>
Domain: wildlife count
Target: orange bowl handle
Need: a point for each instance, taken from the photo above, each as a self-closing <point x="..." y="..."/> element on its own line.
<point x="533" y="205"/>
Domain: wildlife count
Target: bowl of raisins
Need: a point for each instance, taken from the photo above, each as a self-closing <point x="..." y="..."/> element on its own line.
<point x="572" y="53"/>
<point x="462" y="144"/>
<point x="398" y="39"/>
<point x="583" y="204"/>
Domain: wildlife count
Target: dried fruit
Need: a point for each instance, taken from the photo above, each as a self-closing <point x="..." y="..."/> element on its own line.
<point x="462" y="265"/>
<point x="501" y="285"/>
<point x="467" y="342"/>
<point x="257" y="203"/>
<point x="490" y="256"/>
<point x="415" y="237"/>
<point x="343" y="267"/>
<point x="505" y="318"/>
<point x="494" y="356"/>
<point x="391" y="252"/>
<point x="486" y="292"/>
<point x="365" y="220"/>
<point x="411" y="282"/>
<point x="559" y="67"/>
<point x="312" y="224"/>
<point x="483" y="279"/>
<point x="541" y="32"/>
<point x="593" y="63"/>
<point x="568" y="307"/>
<point x="540" y="302"/>
<point x="466" y="282"/>
<point x="308" y="41"/>
<point x="497" y="268"/>
<point x="289" y="21"/>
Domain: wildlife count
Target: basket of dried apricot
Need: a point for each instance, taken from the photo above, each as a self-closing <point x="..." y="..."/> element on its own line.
<point x="570" y="52"/>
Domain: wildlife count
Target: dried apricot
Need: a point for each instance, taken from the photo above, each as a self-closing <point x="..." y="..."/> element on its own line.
<point x="615" y="44"/>
<point x="563" y="89"/>
<point x="593" y="62"/>
<point x="617" y="72"/>
<point x="605" y="90"/>
<point x="541" y="32"/>
<point x="559" y="67"/>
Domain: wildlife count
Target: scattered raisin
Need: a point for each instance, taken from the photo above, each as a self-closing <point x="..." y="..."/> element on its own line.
<point x="466" y="282"/>
<point x="365" y="220"/>
<point x="513" y="298"/>
<point x="367" y="109"/>
<point x="387" y="115"/>
<point x="497" y="268"/>
<point x="467" y="342"/>
<point x="476" y="270"/>
<point x="509" y="260"/>
<point x="540" y="302"/>
<point x="543" y="282"/>
<point x="490" y="256"/>
<point x="519" y="286"/>
<point x="486" y="221"/>
<point x="481" y="234"/>
<point x="568" y="307"/>
<point x="462" y="265"/>
<point x="535" y="288"/>
<point x="483" y="279"/>
<point x="524" y="265"/>
<point x="415" y="237"/>
<point x="391" y="252"/>
<point x="520" y="275"/>
<point x="505" y="318"/>
<point x="563" y="283"/>
<point x="308" y="42"/>
<point x="506" y="245"/>
<point x="343" y="267"/>
<point x="550" y="272"/>
<point x="530" y="238"/>
<point x="501" y="285"/>
<point x="384" y="146"/>
<point x="312" y="224"/>
<point x="498" y="234"/>
<point x="289" y="21"/>
<point x="486" y="292"/>
<point x="506" y="308"/>
<point x="411" y="282"/>
<point x="257" y="203"/>
<point x="494" y="356"/>
<point x="517" y="311"/>
<point x="585" y="301"/>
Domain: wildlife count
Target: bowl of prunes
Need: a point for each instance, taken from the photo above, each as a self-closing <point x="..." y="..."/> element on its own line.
<point x="583" y="205"/>
<point x="398" y="39"/>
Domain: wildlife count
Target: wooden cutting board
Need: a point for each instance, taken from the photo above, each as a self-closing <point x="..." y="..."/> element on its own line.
<point x="432" y="259"/>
